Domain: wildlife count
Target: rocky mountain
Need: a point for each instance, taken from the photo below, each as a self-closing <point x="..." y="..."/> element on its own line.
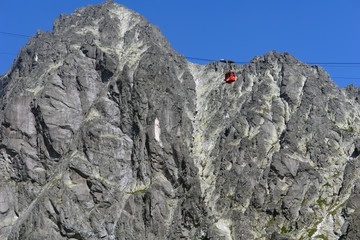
<point x="108" y="133"/>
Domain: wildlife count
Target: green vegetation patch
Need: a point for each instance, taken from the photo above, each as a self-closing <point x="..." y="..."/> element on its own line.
<point x="266" y="110"/>
<point x="333" y="212"/>
<point x="350" y="129"/>
<point x="271" y="221"/>
<point x="141" y="191"/>
<point x="311" y="232"/>
<point x="321" y="202"/>
<point x="321" y="236"/>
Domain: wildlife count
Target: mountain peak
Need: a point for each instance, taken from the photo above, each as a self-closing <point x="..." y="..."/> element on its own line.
<point x="107" y="132"/>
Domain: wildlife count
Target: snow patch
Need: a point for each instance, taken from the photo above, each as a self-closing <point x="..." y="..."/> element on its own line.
<point x="157" y="131"/>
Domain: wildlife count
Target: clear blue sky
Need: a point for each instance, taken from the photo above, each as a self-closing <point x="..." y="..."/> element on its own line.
<point x="313" y="31"/>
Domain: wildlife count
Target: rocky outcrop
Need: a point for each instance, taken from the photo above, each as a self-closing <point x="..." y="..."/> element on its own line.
<point x="108" y="133"/>
<point x="283" y="144"/>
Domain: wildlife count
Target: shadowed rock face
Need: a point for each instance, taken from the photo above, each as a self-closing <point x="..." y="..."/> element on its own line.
<point x="108" y="133"/>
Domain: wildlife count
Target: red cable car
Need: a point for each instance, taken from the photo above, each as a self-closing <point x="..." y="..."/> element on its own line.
<point x="230" y="75"/>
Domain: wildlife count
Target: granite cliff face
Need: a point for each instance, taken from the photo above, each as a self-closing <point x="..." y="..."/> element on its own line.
<point x="108" y="133"/>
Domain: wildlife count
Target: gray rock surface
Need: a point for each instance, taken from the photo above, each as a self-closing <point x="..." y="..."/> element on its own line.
<point x="108" y="133"/>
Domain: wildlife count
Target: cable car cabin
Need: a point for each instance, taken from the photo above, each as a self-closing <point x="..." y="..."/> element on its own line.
<point x="230" y="77"/>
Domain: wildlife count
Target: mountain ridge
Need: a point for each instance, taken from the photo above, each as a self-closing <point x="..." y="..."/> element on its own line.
<point x="109" y="133"/>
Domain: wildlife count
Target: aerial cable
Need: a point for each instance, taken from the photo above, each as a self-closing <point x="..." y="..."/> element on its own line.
<point x="212" y="60"/>
<point x="333" y="63"/>
<point x="201" y="59"/>
<point x="14" y="34"/>
<point x="5" y="53"/>
<point x="343" y="66"/>
<point x="346" y="77"/>
<point x="314" y="63"/>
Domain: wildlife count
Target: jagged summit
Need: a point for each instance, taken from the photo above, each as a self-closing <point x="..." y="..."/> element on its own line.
<point x="108" y="133"/>
<point x="109" y="29"/>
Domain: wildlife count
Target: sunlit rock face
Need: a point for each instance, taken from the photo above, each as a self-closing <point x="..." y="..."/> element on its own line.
<point x="108" y="133"/>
